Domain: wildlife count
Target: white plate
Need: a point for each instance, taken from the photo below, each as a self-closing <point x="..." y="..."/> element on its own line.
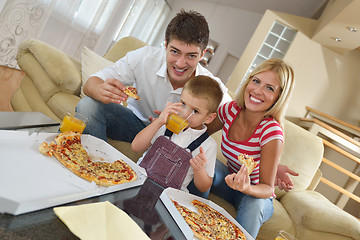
<point x="30" y="181"/>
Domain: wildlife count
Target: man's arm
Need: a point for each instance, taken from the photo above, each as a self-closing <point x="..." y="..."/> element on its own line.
<point x="109" y="91"/>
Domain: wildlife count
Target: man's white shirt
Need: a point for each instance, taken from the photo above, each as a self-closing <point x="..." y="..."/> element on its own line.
<point x="146" y="69"/>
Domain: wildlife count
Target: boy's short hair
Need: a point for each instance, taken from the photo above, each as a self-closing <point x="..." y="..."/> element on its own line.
<point x="207" y="88"/>
<point x="190" y="27"/>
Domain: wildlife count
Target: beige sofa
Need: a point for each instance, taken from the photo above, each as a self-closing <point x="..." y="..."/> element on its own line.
<point x="52" y="85"/>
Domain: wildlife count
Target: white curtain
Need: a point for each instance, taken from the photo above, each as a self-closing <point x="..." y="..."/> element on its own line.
<point x="19" y="20"/>
<point x="144" y="20"/>
<point x="70" y="24"/>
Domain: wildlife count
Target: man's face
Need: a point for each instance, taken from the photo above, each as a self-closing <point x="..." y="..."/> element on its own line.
<point x="181" y="61"/>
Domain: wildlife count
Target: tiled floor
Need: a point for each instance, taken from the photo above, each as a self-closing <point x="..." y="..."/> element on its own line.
<point x="10" y="80"/>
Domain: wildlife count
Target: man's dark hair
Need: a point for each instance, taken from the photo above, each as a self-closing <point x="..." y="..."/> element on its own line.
<point x="190" y="27"/>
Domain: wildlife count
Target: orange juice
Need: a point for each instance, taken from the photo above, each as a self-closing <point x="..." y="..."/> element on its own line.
<point x="175" y="123"/>
<point x="71" y="123"/>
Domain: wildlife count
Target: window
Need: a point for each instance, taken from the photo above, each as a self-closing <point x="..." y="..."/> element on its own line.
<point x="275" y="45"/>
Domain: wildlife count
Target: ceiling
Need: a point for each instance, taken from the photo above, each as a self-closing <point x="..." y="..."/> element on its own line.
<point x="304" y="8"/>
<point x="336" y="17"/>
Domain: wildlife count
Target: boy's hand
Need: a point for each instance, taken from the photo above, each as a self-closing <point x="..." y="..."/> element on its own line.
<point x="170" y="108"/>
<point x="199" y="161"/>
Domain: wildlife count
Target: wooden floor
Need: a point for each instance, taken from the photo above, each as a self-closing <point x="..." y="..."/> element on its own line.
<point x="10" y="80"/>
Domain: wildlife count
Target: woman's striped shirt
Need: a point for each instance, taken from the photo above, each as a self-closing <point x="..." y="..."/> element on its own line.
<point x="268" y="129"/>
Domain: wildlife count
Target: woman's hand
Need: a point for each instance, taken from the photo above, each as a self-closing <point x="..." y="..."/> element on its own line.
<point x="283" y="179"/>
<point x="239" y="181"/>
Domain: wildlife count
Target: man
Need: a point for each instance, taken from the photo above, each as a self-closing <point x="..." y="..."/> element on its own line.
<point x="159" y="76"/>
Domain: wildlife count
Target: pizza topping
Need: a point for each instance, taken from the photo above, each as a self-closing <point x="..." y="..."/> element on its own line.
<point x="131" y="92"/>
<point x="69" y="151"/>
<point x="248" y="162"/>
<point x="208" y="223"/>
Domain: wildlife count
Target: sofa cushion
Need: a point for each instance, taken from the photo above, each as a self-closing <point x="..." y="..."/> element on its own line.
<point x="302" y="152"/>
<point x="315" y="212"/>
<point x="28" y="98"/>
<point x="61" y="102"/>
<point x="90" y="64"/>
<point x="280" y="220"/>
<point x="40" y="60"/>
<point x="122" y="47"/>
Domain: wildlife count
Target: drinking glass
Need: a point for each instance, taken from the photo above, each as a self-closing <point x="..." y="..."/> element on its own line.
<point x="178" y="122"/>
<point x="73" y="121"/>
<point x="285" y="236"/>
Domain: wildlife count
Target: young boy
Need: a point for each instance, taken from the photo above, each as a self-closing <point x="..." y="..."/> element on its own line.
<point x="203" y="95"/>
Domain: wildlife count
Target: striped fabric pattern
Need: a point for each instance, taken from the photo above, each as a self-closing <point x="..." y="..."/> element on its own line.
<point x="268" y="129"/>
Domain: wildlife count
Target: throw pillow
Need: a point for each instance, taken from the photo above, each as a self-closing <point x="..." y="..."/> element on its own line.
<point x="91" y="63"/>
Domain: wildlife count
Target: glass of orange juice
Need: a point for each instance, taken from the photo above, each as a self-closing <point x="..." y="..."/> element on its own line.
<point x="73" y="121"/>
<point x="284" y="236"/>
<point x="178" y="122"/>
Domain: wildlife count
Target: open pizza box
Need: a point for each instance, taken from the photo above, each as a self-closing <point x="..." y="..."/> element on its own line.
<point x="31" y="181"/>
<point x="185" y="199"/>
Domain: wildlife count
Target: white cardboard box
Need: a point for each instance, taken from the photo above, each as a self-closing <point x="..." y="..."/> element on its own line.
<point x="185" y="199"/>
<point x="30" y="181"/>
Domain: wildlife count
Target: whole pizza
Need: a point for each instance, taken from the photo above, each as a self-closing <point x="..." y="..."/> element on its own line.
<point x="209" y="224"/>
<point x="69" y="151"/>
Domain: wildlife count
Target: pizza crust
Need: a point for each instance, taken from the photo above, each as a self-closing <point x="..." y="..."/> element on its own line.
<point x="248" y="162"/>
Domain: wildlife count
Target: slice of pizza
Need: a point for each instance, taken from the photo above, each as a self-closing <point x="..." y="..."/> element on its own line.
<point x="69" y="151"/>
<point x="131" y="92"/>
<point x="248" y="162"/>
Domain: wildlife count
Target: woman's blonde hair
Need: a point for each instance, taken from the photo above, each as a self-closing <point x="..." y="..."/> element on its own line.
<point x="285" y="76"/>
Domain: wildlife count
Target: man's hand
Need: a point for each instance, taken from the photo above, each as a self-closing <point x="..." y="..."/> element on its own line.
<point x="151" y="119"/>
<point x="111" y="91"/>
<point x="283" y="179"/>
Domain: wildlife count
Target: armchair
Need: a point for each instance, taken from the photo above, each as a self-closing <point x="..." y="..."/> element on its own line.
<point x="302" y="212"/>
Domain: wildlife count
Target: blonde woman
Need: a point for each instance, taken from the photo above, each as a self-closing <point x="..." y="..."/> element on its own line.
<point x="252" y="125"/>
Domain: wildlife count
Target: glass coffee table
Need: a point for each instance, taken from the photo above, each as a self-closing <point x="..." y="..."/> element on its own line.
<point x="141" y="203"/>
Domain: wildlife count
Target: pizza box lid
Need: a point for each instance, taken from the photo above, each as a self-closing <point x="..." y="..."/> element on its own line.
<point x="31" y="181"/>
<point x="18" y="120"/>
<point x="184" y="198"/>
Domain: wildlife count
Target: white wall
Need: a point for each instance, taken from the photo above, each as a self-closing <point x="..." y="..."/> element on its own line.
<point x="231" y="28"/>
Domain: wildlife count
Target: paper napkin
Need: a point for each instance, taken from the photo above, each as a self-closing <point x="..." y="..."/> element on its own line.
<point x="100" y="220"/>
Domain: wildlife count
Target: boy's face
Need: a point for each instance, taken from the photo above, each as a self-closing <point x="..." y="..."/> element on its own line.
<point x="181" y="61"/>
<point x="201" y="113"/>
